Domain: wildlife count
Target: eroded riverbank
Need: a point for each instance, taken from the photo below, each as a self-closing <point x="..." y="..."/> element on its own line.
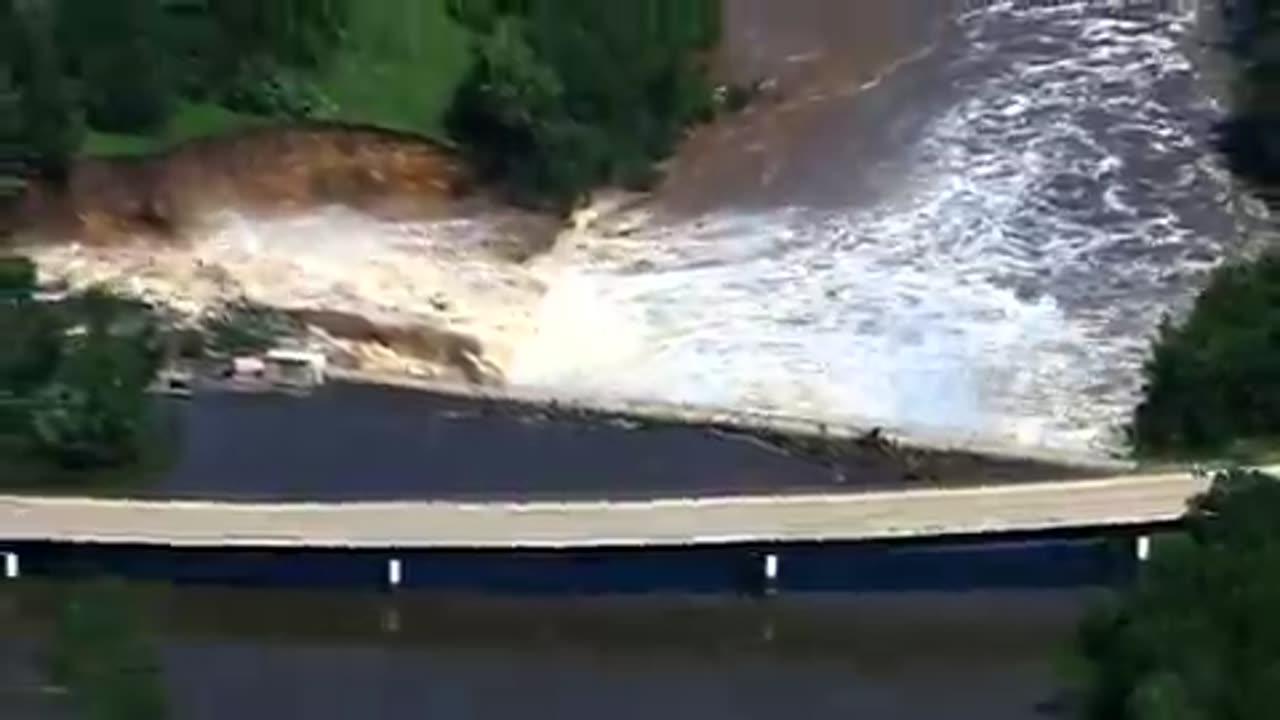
<point x="962" y="224"/>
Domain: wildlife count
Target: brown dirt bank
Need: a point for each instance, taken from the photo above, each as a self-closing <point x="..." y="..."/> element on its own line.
<point x="259" y="215"/>
<point x="278" y="169"/>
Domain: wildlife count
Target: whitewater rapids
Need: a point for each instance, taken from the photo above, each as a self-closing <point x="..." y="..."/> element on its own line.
<point x="1059" y="201"/>
<point x="1054" y="194"/>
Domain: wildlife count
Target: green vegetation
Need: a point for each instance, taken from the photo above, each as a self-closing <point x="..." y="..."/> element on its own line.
<point x="548" y="97"/>
<point x="1198" y="638"/>
<point x="12" y="146"/>
<point x="103" y="657"/>
<point x="73" y="377"/>
<point x="142" y="75"/>
<point x="399" y="67"/>
<point x="1251" y="138"/>
<point x="567" y="94"/>
<point x="48" y="114"/>
<point x="246" y="328"/>
<point x="1213" y="380"/>
<point x="116" y="53"/>
<point x="189" y="121"/>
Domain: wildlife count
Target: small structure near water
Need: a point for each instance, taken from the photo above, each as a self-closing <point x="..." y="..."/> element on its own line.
<point x="295" y="368"/>
<point x="278" y="370"/>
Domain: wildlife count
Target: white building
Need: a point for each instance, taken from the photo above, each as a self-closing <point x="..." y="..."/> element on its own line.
<point x="298" y="368"/>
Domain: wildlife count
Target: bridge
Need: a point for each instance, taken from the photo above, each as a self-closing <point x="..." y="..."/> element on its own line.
<point x="1117" y="503"/>
<point x="1045" y="534"/>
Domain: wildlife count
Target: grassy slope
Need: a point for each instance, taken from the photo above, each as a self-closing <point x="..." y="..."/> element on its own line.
<point x="401" y="66"/>
<point x="398" y="70"/>
<point x="190" y="120"/>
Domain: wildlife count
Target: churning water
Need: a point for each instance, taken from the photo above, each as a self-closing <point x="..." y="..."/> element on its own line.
<point x="1061" y="196"/>
<point x="981" y="241"/>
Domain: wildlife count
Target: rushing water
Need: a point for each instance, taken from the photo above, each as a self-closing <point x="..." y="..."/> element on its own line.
<point x="336" y="655"/>
<point x="955" y="221"/>
<point x="1044" y="191"/>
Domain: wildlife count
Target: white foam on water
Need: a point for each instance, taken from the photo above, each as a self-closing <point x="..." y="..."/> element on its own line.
<point x="441" y="273"/>
<point x="1050" y="216"/>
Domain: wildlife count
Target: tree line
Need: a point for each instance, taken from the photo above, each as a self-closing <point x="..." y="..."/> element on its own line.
<point x="567" y="94"/>
<point x="562" y="94"/>
<point x="120" y="66"/>
<point x="74" y="374"/>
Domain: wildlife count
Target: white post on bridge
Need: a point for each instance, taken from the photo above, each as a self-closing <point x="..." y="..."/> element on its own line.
<point x="770" y="574"/>
<point x="11" y="568"/>
<point x="1143" y="548"/>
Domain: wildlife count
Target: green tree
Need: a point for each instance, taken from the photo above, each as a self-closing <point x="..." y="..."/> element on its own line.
<point x="1251" y="137"/>
<point x="1213" y="381"/>
<point x="302" y="33"/>
<point x="567" y="94"/>
<point x="12" y="145"/>
<point x="509" y="112"/>
<point x="122" y="61"/>
<point x="93" y="411"/>
<point x="265" y="57"/>
<point x="1215" y="378"/>
<point x="51" y="123"/>
<point x="102" y="656"/>
<point x="1198" y="638"/>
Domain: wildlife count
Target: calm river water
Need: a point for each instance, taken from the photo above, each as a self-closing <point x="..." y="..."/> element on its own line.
<point x="272" y="655"/>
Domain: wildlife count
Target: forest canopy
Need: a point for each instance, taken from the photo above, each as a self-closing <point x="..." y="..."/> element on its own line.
<point x="548" y="97"/>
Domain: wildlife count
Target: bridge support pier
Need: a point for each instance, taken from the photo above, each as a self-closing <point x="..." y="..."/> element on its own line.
<point x="11" y="566"/>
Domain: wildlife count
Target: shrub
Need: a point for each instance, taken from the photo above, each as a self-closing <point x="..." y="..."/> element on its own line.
<point x="123" y="69"/>
<point x="51" y="122"/>
<point x="17" y="277"/>
<point x="1198" y="636"/>
<point x="246" y="328"/>
<point x="263" y="87"/>
<point x="567" y="94"/>
<point x="1215" y="378"/>
<point x="93" y="410"/>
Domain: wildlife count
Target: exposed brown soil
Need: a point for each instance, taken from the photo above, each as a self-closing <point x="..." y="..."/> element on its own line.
<point x="265" y="170"/>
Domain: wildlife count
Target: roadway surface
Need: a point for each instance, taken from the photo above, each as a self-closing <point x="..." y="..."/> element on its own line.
<point x="1114" y="502"/>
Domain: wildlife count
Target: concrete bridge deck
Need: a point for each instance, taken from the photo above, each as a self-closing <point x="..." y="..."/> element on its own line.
<point x="1133" y="501"/>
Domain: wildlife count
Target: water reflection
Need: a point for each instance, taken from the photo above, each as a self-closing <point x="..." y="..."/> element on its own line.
<point x="269" y="654"/>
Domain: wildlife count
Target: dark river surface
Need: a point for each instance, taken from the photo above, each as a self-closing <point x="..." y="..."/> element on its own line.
<point x="368" y="442"/>
<point x="375" y="443"/>
<point x="272" y="655"/>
